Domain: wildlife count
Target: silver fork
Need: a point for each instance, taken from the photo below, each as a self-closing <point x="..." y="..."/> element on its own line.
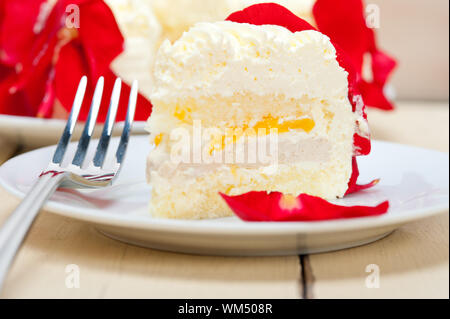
<point x="76" y="175"/>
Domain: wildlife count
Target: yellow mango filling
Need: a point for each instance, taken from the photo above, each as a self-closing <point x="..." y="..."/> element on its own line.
<point x="234" y="134"/>
<point x="269" y="122"/>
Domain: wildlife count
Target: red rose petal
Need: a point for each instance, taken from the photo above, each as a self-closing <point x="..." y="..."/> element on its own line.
<point x="382" y="66"/>
<point x="357" y="188"/>
<point x="12" y="104"/>
<point x="355" y="175"/>
<point x="270" y="13"/>
<point x="71" y="67"/>
<point x="100" y="35"/>
<point x="374" y="95"/>
<point x="343" y="21"/>
<point x="276" y="207"/>
<point x="353" y="187"/>
<point x="362" y="145"/>
<point x="16" y="32"/>
<point x="373" y="92"/>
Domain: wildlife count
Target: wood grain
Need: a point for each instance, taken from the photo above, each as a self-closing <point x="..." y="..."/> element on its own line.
<point x="413" y="261"/>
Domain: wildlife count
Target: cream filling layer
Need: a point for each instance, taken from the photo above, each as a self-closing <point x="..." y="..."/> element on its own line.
<point x="292" y="148"/>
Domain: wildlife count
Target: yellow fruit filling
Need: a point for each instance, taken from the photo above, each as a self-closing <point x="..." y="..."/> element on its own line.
<point x="269" y="122"/>
<point x="234" y="134"/>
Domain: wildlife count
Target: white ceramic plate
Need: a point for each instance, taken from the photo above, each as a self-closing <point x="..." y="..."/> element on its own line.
<point x="35" y="132"/>
<point x="414" y="180"/>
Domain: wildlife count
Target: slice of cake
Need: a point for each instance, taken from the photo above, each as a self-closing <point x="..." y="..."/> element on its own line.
<point x="241" y="107"/>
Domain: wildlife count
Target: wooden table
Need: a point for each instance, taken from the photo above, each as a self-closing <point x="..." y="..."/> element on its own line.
<point x="413" y="262"/>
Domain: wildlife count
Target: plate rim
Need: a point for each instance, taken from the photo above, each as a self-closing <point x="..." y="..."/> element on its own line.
<point x="241" y="228"/>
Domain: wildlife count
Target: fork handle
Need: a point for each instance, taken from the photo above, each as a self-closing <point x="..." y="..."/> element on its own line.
<point x="19" y="222"/>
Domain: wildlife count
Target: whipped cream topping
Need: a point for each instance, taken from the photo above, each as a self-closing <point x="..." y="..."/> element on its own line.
<point x="225" y="58"/>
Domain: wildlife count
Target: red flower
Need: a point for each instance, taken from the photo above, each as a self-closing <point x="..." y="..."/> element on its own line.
<point x="276" y="207"/>
<point x="344" y="22"/>
<point x="42" y="58"/>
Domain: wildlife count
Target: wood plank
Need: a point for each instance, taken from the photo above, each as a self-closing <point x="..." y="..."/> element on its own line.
<point x="414" y="261"/>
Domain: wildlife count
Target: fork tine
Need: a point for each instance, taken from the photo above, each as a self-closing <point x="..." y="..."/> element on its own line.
<point x="70" y="125"/>
<point x="103" y="144"/>
<point x="121" y="150"/>
<point x="83" y="144"/>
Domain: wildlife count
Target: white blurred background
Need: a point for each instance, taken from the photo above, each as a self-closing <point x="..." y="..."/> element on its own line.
<point x="416" y="32"/>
